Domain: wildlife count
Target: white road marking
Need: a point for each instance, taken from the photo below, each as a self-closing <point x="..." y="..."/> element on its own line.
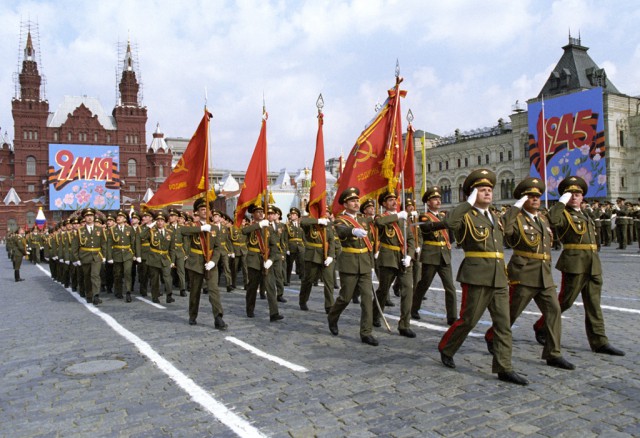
<point x="234" y="422"/>
<point x="619" y="309"/>
<point x="438" y="328"/>
<point x="267" y="356"/>
<point x="143" y="299"/>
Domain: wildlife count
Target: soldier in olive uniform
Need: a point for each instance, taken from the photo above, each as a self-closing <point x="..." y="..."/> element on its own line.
<point x="529" y="270"/>
<point x="161" y="249"/>
<point x="397" y="247"/>
<point x="368" y="210"/>
<point x="435" y="256"/>
<point x="621" y="213"/>
<point x="239" y="261"/>
<point x="123" y="247"/>
<point x="225" y="246"/>
<point x="204" y="253"/>
<point x="482" y="275"/>
<point x="36" y="243"/>
<point x="319" y="256"/>
<point x="355" y="264"/>
<point x="19" y="250"/>
<point x="295" y="252"/>
<point x="179" y="255"/>
<point x="579" y="263"/>
<point x="88" y="249"/>
<point x="145" y="246"/>
<point x="263" y="257"/>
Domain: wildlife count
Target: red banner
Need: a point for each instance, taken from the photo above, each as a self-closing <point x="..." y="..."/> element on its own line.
<point x="318" y="192"/>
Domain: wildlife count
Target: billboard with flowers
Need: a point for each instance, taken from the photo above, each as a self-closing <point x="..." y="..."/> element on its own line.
<point x="567" y="135"/>
<point x="83" y="176"/>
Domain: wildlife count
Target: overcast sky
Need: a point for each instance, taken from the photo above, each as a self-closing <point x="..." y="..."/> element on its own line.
<point x="465" y="63"/>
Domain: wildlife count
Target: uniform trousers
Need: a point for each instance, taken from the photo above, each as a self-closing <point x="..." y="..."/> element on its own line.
<point x="311" y="272"/>
<point x="352" y="283"/>
<point x="195" y="280"/>
<point x="446" y="276"/>
<point x="91" y="274"/>
<point x="255" y="278"/>
<point x="590" y="286"/>
<point x="387" y="276"/>
<point x="120" y="270"/>
<point x="154" y="279"/>
<point x="475" y="300"/>
<point x="547" y="302"/>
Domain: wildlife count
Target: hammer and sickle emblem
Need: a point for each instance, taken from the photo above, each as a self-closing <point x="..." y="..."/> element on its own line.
<point x="365" y="154"/>
<point x="180" y="167"/>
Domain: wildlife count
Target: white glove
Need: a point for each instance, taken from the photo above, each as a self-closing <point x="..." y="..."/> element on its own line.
<point x="323" y="221"/>
<point x="205" y="228"/>
<point x="268" y="264"/>
<point x="472" y="197"/>
<point x="288" y="252"/>
<point x="78" y="263"/>
<point x="359" y="232"/>
<point x="520" y="202"/>
<point x="376" y="254"/>
<point x="55" y="257"/>
<point x="418" y="249"/>
<point x="414" y="214"/>
<point x="209" y="265"/>
<point x="232" y="255"/>
<point x="402" y="215"/>
<point x="61" y="260"/>
<point x="139" y="259"/>
<point x="565" y="198"/>
<point x="67" y="262"/>
<point x="152" y="224"/>
<point x="328" y="261"/>
<point x="263" y="223"/>
<point x="110" y="262"/>
<point x="406" y="261"/>
<point x="103" y="260"/>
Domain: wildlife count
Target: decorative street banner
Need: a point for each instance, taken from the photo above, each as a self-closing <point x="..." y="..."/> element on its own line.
<point x="83" y="176"/>
<point x="574" y="141"/>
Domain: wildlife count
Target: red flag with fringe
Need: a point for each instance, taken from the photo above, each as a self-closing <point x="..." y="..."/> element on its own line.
<point x="409" y="166"/>
<point x="372" y="164"/>
<point x="318" y="192"/>
<point x="254" y="187"/>
<point x="189" y="177"/>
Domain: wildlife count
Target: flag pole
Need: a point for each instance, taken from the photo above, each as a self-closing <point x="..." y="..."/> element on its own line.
<point x="204" y="238"/>
<point x="424" y="167"/>
<point x="544" y="158"/>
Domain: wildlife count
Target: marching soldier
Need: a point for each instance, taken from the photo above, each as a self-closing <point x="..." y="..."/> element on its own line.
<point x="123" y="247"/>
<point x="108" y="268"/>
<point x="579" y="263"/>
<point x="368" y="210"/>
<point x="319" y="256"/>
<point x="622" y="222"/>
<point x="482" y="275"/>
<point x="274" y="214"/>
<point x="412" y="219"/>
<point x="605" y="218"/>
<point x="204" y="253"/>
<point x="239" y="261"/>
<point x="529" y="270"/>
<point x="19" y="251"/>
<point x="88" y="249"/>
<point x="145" y="246"/>
<point x="295" y="252"/>
<point x="225" y="246"/>
<point x="394" y="261"/>
<point x="161" y="248"/>
<point x="435" y="256"/>
<point x="179" y="255"/>
<point x="36" y="242"/>
<point x="355" y="264"/>
<point x="264" y="253"/>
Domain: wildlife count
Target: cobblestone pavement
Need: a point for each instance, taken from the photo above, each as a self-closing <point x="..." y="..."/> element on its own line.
<point x="171" y="379"/>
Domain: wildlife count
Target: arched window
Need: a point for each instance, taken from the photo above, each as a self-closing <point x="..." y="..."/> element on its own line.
<point x="31" y="165"/>
<point x="161" y="172"/>
<point x="132" y="167"/>
<point x="55" y="136"/>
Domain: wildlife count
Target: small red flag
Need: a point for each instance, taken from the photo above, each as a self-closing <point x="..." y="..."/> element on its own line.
<point x="318" y="192"/>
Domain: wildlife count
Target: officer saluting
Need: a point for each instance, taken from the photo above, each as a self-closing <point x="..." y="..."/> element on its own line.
<point x="482" y="275"/>
<point x="88" y="249"/>
<point x="529" y="270"/>
<point x="579" y="262"/>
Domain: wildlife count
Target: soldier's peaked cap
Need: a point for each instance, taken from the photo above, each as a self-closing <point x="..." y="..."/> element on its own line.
<point x="349" y="194"/>
<point x="88" y="211"/>
<point x="432" y="192"/>
<point x="478" y="178"/>
<point x="386" y="195"/>
<point x="573" y="184"/>
<point x="529" y="186"/>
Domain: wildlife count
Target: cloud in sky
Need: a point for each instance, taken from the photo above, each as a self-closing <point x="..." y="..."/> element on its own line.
<point x="464" y="62"/>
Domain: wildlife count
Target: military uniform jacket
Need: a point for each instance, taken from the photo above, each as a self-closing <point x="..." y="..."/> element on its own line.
<point x="295" y="236"/>
<point x="122" y="245"/>
<point x="436" y="246"/>
<point x="88" y="247"/>
<point x="195" y="257"/>
<point x="256" y="254"/>
<point x="577" y="233"/>
<point x="19" y="246"/>
<point x="65" y="247"/>
<point x="316" y="237"/>
<point x="238" y="241"/>
<point x="144" y="241"/>
<point x="223" y="235"/>
<point x="483" y="264"/>
<point x="391" y="233"/>
<point x="356" y="256"/>
<point x="178" y="250"/>
<point x="36" y="241"/>
<point x="160" y="248"/>
<point x="283" y="244"/>
<point x="530" y="264"/>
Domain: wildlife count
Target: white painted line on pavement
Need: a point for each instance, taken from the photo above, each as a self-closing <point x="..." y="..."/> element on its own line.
<point x="143" y="299"/>
<point x="234" y="422"/>
<point x="438" y="328"/>
<point x="267" y="356"/>
<point x="619" y="309"/>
